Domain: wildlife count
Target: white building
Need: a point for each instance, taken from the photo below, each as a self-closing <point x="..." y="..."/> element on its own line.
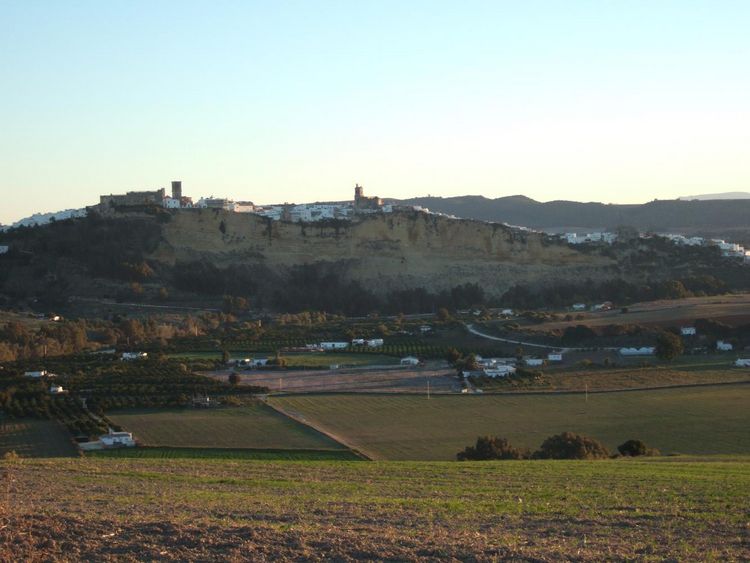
<point x="687" y="331"/>
<point x="534" y="362"/>
<point x="424" y="329"/>
<point x="500" y="371"/>
<point x="4" y="248"/>
<point x="56" y="389"/>
<point x="642" y="351"/>
<point x="358" y="342"/>
<point x="38" y="374"/>
<point x="258" y="362"/>
<point x="171" y="203"/>
<point x="723" y="346"/>
<point x="742" y="363"/>
<point x="555" y="357"/>
<point x="375" y="343"/>
<point x="507" y="312"/>
<point x="409" y="361"/>
<point x="579" y="306"/>
<point x="130" y="356"/>
<point x="117" y="440"/>
<point x="334" y="345"/>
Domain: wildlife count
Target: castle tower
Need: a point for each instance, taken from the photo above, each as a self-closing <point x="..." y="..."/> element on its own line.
<point x="177" y="190"/>
<point x="358" y="192"/>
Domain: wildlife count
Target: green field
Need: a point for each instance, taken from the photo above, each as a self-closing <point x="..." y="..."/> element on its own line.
<point x="184" y="510"/>
<point x="256" y="427"/>
<point x="701" y="420"/>
<point x="36" y="438"/>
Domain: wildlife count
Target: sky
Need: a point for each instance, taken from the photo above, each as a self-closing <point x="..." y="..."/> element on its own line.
<point x="286" y="101"/>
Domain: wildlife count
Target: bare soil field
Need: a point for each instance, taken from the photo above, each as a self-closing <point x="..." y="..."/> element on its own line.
<point x="361" y="380"/>
<point x="730" y="309"/>
<point x="36" y="438"/>
<point x="189" y="510"/>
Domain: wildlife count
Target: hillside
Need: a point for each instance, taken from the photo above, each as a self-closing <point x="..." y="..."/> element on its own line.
<point x="188" y="510"/>
<point x="399" y="262"/>
<point x="720" y="217"/>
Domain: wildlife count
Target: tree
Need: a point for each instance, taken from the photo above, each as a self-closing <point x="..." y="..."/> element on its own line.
<point x="234" y="379"/>
<point x="452" y="355"/>
<point x="443" y="315"/>
<point x="632" y="448"/>
<point x="225" y="356"/>
<point x="491" y="447"/>
<point x="668" y="346"/>
<point x="569" y="445"/>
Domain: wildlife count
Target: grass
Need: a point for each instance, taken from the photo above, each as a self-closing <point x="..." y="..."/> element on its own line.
<point x="36" y="438"/>
<point x="221" y="510"/>
<point x="256" y="427"/>
<point x="702" y="420"/>
<point x="578" y="379"/>
<point x="227" y="454"/>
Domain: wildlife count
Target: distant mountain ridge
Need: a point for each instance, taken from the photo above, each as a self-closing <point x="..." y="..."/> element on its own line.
<point x="724" y="195"/>
<point x="706" y="217"/>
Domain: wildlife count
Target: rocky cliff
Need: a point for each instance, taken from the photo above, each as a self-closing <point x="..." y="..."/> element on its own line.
<point x="383" y="251"/>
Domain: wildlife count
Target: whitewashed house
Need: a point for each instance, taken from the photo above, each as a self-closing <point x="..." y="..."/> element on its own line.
<point x="579" y="306"/>
<point x="334" y="345"/>
<point x="4" y="248"/>
<point x="724" y="346"/>
<point x="507" y="312"/>
<point x="375" y="343"/>
<point x="642" y="351"/>
<point x="555" y="357"/>
<point x="117" y="440"/>
<point x="687" y="331"/>
<point x="38" y="374"/>
<point x="258" y="362"/>
<point x="410" y="361"/>
<point x="424" y="329"/>
<point x="500" y="371"/>
<point x="742" y="363"/>
<point x="56" y="389"/>
<point x="534" y="362"/>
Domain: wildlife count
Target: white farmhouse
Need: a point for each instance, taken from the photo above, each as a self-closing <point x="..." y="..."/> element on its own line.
<point x="38" y="374"/>
<point x="534" y="361"/>
<point x="258" y="362"/>
<point x="723" y="346"/>
<point x="56" y="389"/>
<point x="579" y="306"/>
<point x="500" y="371"/>
<point x="687" y="331"/>
<point x="375" y="343"/>
<point x="742" y="363"/>
<point x="410" y="361"/>
<point x="334" y="345"/>
<point x="358" y="342"/>
<point x="117" y="440"/>
<point x="4" y="249"/>
<point x="555" y="357"/>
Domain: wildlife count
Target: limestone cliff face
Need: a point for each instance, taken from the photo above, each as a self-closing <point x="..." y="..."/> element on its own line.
<point x="384" y="251"/>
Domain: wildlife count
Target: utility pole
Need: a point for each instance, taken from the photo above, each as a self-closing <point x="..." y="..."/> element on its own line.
<point x="428" y="388"/>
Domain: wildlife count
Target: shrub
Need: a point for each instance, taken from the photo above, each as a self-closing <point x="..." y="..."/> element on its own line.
<point x="633" y="448"/>
<point x="491" y="447"/>
<point x="668" y="346"/>
<point x="571" y="446"/>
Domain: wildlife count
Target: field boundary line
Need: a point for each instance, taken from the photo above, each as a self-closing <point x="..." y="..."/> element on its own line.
<point x="302" y="420"/>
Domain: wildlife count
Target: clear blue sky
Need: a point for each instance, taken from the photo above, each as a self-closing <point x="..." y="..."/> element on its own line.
<point x="296" y="101"/>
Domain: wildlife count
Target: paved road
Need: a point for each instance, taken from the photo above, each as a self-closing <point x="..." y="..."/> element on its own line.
<point x="476" y="332"/>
